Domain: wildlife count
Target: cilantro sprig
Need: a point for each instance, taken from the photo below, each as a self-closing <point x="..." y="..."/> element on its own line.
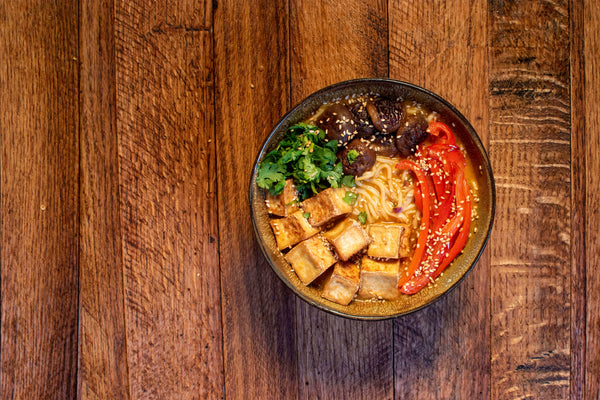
<point x="304" y="155"/>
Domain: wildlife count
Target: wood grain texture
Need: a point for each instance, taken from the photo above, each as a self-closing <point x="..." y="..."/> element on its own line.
<point x="335" y="41"/>
<point x="443" y="351"/>
<point x="102" y="345"/>
<point x="578" y="194"/>
<point x="251" y="94"/>
<point x="530" y="149"/>
<point x="592" y="198"/>
<point x="39" y="199"/>
<point x="331" y="42"/>
<point x="165" y="122"/>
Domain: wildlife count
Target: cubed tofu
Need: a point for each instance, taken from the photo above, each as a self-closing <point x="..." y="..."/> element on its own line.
<point x="348" y="237"/>
<point x="389" y="241"/>
<point x="379" y="279"/>
<point x="343" y="283"/>
<point x="291" y="230"/>
<point x="310" y="258"/>
<point x="285" y="203"/>
<point x="325" y="206"/>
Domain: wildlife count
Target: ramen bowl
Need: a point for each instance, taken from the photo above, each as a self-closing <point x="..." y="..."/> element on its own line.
<point x="480" y="227"/>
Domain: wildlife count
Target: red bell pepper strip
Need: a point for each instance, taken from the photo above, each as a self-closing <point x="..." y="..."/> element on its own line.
<point x="442" y="132"/>
<point x="438" y="175"/>
<point x="424" y="228"/>
<point x="463" y="235"/>
<point x="443" y="252"/>
<point x="431" y="186"/>
<point x="442" y="212"/>
<point x="418" y="198"/>
<point x="444" y="181"/>
<point x="446" y="154"/>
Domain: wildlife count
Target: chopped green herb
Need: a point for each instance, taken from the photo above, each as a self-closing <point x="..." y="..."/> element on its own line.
<point x="362" y="217"/>
<point x="270" y="176"/>
<point x="350" y="198"/>
<point x="348" y="180"/>
<point x="333" y="177"/>
<point x="306" y="215"/>
<point x="304" y="155"/>
<point x="292" y="202"/>
<point x="352" y="156"/>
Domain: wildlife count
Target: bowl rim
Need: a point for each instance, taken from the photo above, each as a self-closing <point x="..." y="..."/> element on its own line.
<point x="472" y="132"/>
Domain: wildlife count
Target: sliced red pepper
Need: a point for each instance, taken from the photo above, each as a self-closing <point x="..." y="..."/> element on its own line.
<point x="438" y="176"/>
<point x="448" y="184"/>
<point x="424" y="228"/>
<point x="444" y="180"/>
<point x="463" y="235"/>
<point x="442" y="212"/>
<point x="442" y="132"/>
<point x="418" y="198"/>
<point x="431" y="186"/>
<point x="446" y="154"/>
<point x="443" y="252"/>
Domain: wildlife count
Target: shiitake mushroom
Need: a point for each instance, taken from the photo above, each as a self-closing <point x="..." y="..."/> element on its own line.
<point x="412" y="133"/>
<point x="386" y="114"/>
<point x="364" y="126"/>
<point x="384" y="145"/>
<point x="357" y="158"/>
<point x="338" y="123"/>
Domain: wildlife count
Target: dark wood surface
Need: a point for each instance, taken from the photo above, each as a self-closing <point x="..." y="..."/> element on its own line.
<point x="129" y="268"/>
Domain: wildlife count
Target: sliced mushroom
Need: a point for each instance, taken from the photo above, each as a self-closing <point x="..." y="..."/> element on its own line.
<point x="412" y="133"/>
<point x="338" y="123"/>
<point x="386" y="114"/>
<point x="364" y="125"/>
<point x="357" y="158"/>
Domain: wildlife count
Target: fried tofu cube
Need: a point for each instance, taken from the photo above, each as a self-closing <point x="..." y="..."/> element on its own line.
<point x="310" y="258"/>
<point x="348" y="237"/>
<point x="343" y="283"/>
<point x="326" y="206"/>
<point x="285" y="203"/>
<point x="379" y="279"/>
<point x="291" y="230"/>
<point x="389" y="241"/>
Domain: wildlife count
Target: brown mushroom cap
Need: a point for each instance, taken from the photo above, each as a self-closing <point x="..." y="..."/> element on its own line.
<point x="364" y="125"/>
<point x="362" y="163"/>
<point x="386" y="114"/>
<point x="384" y="145"/>
<point x="338" y="123"/>
<point x="412" y="133"/>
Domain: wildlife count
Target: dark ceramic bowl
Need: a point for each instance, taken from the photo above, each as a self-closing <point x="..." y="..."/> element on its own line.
<point x="373" y="310"/>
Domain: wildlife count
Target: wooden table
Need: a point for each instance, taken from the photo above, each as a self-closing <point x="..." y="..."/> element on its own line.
<point x="129" y="268"/>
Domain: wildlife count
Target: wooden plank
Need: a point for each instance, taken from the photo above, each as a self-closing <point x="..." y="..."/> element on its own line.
<point x="578" y="194"/>
<point x="165" y="123"/>
<point x="334" y="41"/>
<point x="102" y="341"/>
<point x="592" y="198"/>
<point x="530" y="148"/>
<point x="251" y="41"/>
<point x="39" y="199"/>
<point x="443" y="351"/>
